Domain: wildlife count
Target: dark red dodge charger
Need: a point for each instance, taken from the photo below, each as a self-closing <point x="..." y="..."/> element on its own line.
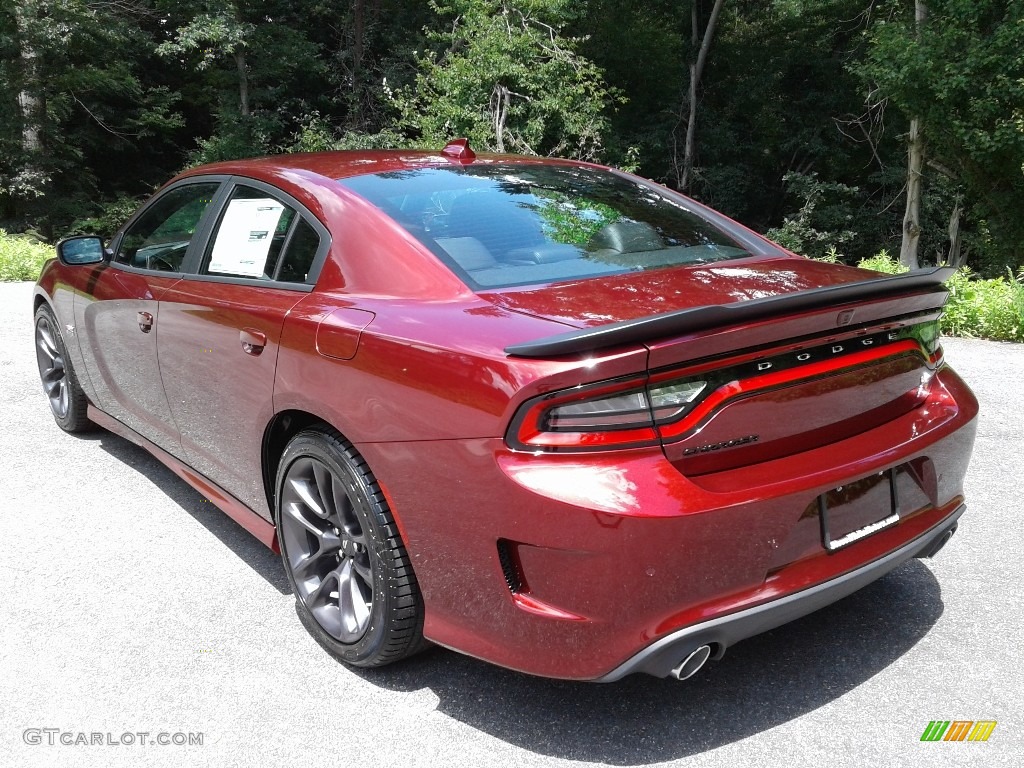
<point x="541" y="412"/>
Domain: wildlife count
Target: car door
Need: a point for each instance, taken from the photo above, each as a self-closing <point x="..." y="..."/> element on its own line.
<point x="221" y="326"/>
<point x="118" y="313"/>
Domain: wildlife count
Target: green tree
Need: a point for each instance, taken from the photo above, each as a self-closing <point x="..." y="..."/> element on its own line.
<point x="775" y="100"/>
<point x="73" y="76"/>
<point x="700" y="45"/>
<point x="255" y="69"/>
<point x="962" y="75"/>
<point x="216" y="32"/>
<point x="502" y="73"/>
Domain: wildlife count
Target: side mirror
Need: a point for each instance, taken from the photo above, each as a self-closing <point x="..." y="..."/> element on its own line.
<point x="82" y="249"/>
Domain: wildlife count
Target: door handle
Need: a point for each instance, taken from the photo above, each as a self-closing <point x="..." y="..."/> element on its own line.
<point x="145" y="322"/>
<point x="253" y="341"/>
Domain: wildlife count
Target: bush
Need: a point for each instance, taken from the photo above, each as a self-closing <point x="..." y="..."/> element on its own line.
<point x="823" y="222"/>
<point x="986" y="309"/>
<point x="882" y="262"/>
<point x="108" y="218"/>
<point x="318" y="135"/>
<point x="21" y="257"/>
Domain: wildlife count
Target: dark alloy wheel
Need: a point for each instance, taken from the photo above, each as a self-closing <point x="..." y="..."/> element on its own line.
<point x="67" y="400"/>
<point x="354" y="587"/>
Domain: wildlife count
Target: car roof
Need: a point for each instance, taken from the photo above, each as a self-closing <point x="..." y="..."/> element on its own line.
<point x="341" y="164"/>
<point x="315" y="180"/>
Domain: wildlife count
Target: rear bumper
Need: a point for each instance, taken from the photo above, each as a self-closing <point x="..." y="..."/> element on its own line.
<point x="584" y="567"/>
<point x="661" y="657"/>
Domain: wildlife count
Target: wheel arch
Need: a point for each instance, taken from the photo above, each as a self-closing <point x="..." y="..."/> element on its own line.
<point x="41" y="297"/>
<point x="278" y="433"/>
<point x="281" y="429"/>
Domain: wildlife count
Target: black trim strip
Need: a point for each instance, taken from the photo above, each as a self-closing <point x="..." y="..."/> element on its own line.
<point x="718" y="315"/>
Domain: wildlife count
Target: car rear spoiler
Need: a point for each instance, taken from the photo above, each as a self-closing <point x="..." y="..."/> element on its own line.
<point x="645" y="329"/>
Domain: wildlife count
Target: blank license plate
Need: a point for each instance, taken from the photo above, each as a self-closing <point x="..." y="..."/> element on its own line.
<point x="854" y="511"/>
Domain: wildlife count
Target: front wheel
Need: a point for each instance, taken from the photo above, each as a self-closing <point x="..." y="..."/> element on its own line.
<point x="354" y="586"/>
<point x="67" y="400"/>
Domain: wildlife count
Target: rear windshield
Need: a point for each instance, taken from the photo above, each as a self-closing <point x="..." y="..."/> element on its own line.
<point x="503" y="225"/>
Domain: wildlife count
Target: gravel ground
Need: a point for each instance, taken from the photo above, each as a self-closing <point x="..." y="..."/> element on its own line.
<point x="132" y="606"/>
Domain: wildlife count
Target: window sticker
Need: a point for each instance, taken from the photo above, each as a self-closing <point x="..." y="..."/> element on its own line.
<point x="245" y="236"/>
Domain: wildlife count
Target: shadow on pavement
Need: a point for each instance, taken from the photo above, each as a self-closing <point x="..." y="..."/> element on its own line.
<point x="761" y="683"/>
<point x="231" y="534"/>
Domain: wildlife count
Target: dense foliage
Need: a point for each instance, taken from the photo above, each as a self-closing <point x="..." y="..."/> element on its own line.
<point x="801" y="119"/>
<point x="21" y="257"/>
<point x="985" y="308"/>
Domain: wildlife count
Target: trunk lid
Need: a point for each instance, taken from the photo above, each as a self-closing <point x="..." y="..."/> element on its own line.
<point x="788" y="354"/>
<point x="596" y="302"/>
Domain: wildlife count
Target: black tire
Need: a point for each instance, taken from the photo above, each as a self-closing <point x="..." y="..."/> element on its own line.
<point x="68" y="402"/>
<point x="354" y="587"/>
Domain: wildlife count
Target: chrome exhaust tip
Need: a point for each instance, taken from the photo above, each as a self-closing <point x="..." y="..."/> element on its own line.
<point x="691" y="665"/>
<point x="933" y="548"/>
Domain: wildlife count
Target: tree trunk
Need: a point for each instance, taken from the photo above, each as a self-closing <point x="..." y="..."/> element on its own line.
<point x="31" y="108"/>
<point x="30" y="99"/>
<point x="243" y="81"/>
<point x="358" y="34"/>
<point x="691" y="121"/>
<point x="696" y="71"/>
<point x="912" y="214"/>
<point x="500" y="97"/>
<point x="32" y="171"/>
<point x="915" y="167"/>
<point x="955" y="257"/>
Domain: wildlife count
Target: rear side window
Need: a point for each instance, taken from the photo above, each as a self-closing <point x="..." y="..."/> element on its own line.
<point x="301" y="253"/>
<point x="160" y="237"/>
<point x="500" y="225"/>
<point x="260" y="237"/>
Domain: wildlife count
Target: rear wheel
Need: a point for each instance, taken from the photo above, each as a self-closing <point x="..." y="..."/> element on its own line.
<point x="354" y="586"/>
<point x="67" y="400"/>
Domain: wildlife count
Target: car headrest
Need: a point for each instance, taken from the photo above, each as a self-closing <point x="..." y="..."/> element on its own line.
<point x="468" y="252"/>
<point x="545" y="253"/>
<point x="626" y="237"/>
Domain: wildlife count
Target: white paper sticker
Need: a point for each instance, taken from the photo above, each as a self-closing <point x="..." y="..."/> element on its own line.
<point x="244" y="238"/>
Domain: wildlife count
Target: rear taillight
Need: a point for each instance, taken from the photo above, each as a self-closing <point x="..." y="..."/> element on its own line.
<point x="632" y="409"/>
<point x="602" y="417"/>
<point x="667" y="405"/>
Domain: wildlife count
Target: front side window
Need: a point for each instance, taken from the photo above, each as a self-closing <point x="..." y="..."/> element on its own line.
<point x="260" y="237"/>
<point x="160" y="237"/>
<point x="502" y="225"/>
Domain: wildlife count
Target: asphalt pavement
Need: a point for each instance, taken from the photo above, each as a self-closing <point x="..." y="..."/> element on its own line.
<point x="133" y="613"/>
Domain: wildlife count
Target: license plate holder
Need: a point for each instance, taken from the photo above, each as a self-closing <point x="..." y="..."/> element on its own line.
<point x="849" y="513"/>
